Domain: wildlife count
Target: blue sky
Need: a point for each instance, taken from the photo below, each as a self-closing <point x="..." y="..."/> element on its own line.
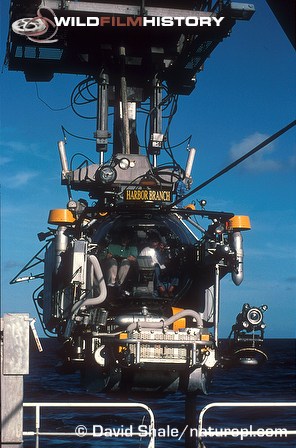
<point x="245" y="93"/>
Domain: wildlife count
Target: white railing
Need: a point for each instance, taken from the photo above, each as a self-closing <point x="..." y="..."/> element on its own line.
<point x="243" y="432"/>
<point x="81" y="431"/>
<point x="201" y="432"/>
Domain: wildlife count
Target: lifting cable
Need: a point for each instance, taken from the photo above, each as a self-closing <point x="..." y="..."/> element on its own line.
<point x="237" y="162"/>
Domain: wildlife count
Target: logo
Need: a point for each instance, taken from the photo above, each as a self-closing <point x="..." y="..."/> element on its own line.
<point x="138" y="21"/>
<point x="147" y="195"/>
<point x="43" y="28"/>
<point x="38" y="26"/>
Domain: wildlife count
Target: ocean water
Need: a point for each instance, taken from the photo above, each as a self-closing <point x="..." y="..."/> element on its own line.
<point x="176" y="416"/>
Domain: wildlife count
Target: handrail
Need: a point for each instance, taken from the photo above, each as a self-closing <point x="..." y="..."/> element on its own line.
<point x="81" y="430"/>
<point x="201" y="432"/>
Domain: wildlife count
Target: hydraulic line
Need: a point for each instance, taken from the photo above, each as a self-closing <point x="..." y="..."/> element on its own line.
<point x="167" y="322"/>
<point x="95" y="271"/>
<point x="125" y="119"/>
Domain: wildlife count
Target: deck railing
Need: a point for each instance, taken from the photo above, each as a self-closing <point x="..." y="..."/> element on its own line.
<point x="243" y="433"/>
<point x="200" y="433"/>
<point x="81" y="430"/>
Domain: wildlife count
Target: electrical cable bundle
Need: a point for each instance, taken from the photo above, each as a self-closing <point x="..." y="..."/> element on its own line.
<point x="83" y="95"/>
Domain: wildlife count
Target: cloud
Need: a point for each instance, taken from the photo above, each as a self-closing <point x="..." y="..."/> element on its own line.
<point x="4" y="160"/>
<point x="218" y="203"/>
<point x="291" y="279"/>
<point x="19" y="179"/>
<point x="16" y="146"/>
<point x="268" y="251"/>
<point x="292" y="162"/>
<point x="260" y="161"/>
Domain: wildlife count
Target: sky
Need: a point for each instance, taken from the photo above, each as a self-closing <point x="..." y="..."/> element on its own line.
<point x="245" y="93"/>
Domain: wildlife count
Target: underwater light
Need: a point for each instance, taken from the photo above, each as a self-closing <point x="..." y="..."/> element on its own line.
<point x="219" y="229"/>
<point x="124" y="163"/>
<point x="254" y="316"/>
<point x="105" y="174"/>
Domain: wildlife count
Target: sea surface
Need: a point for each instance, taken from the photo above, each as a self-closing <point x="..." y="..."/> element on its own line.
<point x="176" y="416"/>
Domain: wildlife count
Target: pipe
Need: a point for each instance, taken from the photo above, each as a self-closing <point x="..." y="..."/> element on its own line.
<point x="216" y="303"/>
<point x="238" y="272"/>
<point x="125" y="119"/>
<point x="155" y="119"/>
<point x="102" y="133"/>
<point x="168" y="322"/>
<point x="95" y="273"/>
<point x="61" y="244"/>
<point x="63" y="156"/>
<point x="190" y="161"/>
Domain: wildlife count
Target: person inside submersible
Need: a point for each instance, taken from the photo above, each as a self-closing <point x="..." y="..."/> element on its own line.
<point x="165" y="280"/>
<point x="118" y="261"/>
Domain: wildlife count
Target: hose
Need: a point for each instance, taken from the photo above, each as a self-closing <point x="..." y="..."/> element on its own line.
<point x="169" y="321"/>
<point x="94" y="274"/>
<point x="238" y="272"/>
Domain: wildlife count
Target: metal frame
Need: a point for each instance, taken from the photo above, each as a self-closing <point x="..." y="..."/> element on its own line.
<point x="191" y="346"/>
<point x="31" y="264"/>
<point x="122" y="9"/>
<point x="38" y="406"/>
